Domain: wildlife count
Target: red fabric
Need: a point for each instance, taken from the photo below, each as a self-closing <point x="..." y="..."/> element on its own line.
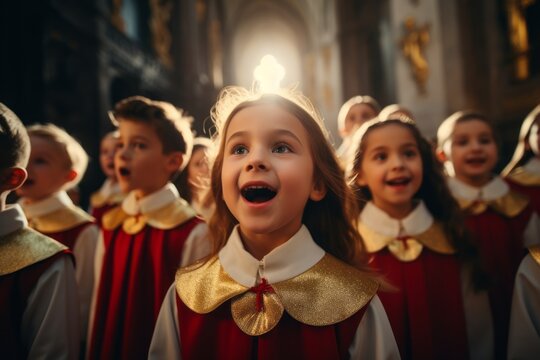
<point x="68" y="237"/>
<point x="216" y="336"/>
<point x="500" y="243"/>
<point x="98" y="212"/>
<point x="426" y="310"/>
<point x="533" y="192"/>
<point x="136" y="274"/>
<point x="15" y="288"/>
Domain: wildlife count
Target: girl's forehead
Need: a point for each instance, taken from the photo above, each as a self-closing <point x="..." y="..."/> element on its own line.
<point x="260" y="117"/>
<point x="470" y="125"/>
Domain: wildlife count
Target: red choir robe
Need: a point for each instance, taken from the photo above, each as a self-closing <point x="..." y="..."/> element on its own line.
<point x="38" y="294"/>
<point x="144" y="242"/>
<point x="297" y="302"/>
<point x="426" y="308"/>
<point x="526" y="179"/>
<point x="502" y="222"/>
<point x="106" y="198"/>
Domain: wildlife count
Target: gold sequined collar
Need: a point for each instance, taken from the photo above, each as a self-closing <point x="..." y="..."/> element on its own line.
<point x="523" y="177"/>
<point x="327" y="293"/>
<point x="60" y="220"/>
<point x="167" y="217"/>
<point x="407" y="248"/>
<point x="25" y="247"/>
<point x="535" y="253"/>
<point x="98" y="200"/>
<point x="510" y="205"/>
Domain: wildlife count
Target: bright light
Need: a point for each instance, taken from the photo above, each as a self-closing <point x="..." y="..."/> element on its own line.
<point x="268" y="74"/>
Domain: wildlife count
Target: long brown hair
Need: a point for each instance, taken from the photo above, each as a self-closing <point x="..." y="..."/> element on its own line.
<point x="332" y="220"/>
<point x="433" y="191"/>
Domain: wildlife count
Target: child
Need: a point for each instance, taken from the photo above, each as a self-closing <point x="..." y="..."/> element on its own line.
<point x="523" y="171"/>
<point x="109" y="195"/>
<point x="38" y="293"/>
<point x="395" y="109"/>
<point x="413" y="231"/>
<point x="356" y="111"/>
<point x="194" y="182"/>
<point x="501" y="220"/>
<point x="149" y="235"/>
<point x="279" y="283"/>
<point x="57" y="163"/>
<point x="524" y="340"/>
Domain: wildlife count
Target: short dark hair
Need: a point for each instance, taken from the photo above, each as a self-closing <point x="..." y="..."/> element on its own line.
<point x="172" y="127"/>
<point x="14" y="141"/>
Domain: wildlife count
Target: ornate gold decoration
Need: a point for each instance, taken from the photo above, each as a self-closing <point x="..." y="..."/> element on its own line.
<point x="161" y="35"/>
<point x="413" y="44"/>
<point x="98" y="199"/>
<point x="329" y="292"/>
<point x="509" y="205"/>
<point x="165" y="218"/>
<point x="407" y="248"/>
<point x="519" y="37"/>
<point x="523" y="177"/>
<point x="25" y="247"/>
<point x="116" y="15"/>
<point x="535" y="253"/>
<point x="60" y="220"/>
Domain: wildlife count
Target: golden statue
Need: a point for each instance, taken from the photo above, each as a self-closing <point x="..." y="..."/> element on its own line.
<point x="413" y="44"/>
<point x="519" y="37"/>
<point x="161" y="35"/>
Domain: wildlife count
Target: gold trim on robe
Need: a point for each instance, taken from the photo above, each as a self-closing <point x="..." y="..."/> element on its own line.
<point x="98" y="200"/>
<point x="327" y="293"/>
<point x="509" y="205"/>
<point x="60" y="220"/>
<point x="523" y="177"/>
<point x="165" y="218"/>
<point x="535" y="253"/>
<point x="410" y="247"/>
<point x="25" y="247"/>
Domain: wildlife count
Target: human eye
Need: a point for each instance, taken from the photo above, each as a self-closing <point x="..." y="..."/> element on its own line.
<point x="281" y="148"/>
<point x="484" y="140"/>
<point x="461" y="141"/>
<point x="119" y="145"/>
<point x="380" y="156"/>
<point x="239" y="150"/>
<point x="410" y="153"/>
<point x="40" y="161"/>
<point x="140" y="145"/>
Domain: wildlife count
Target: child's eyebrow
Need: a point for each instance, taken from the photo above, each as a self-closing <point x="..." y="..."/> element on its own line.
<point x="139" y="137"/>
<point x="279" y="132"/>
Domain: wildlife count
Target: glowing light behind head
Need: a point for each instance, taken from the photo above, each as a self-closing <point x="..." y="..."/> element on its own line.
<point x="268" y="75"/>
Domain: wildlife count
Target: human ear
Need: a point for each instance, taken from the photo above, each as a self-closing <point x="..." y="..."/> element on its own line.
<point x="441" y="155"/>
<point x="13" y="178"/>
<point x="174" y="161"/>
<point x="318" y="192"/>
<point x="359" y="180"/>
<point x="72" y="174"/>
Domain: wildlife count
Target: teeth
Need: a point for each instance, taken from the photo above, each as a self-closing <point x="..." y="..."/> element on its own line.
<point x="258" y="194"/>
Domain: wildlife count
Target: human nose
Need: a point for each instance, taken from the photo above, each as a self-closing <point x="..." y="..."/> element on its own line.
<point x="397" y="162"/>
<point x="257" y="160"/>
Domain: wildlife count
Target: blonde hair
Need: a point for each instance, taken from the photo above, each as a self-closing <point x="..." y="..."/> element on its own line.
<point x="74" y="152"/>
<point x="332" y="221"/>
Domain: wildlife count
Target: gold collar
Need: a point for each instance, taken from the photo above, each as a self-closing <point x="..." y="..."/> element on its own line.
<point x="25" y="247"/>
<point x="98" y="200"/>
<point x="407" y="248"/>
<point x="329" y="292"/>
<point x="509" y="205"/>
<point x="535" y="253"/>
<point x="165" y="218"/>
<point x="60" y="220"/>
<point x="523" y="177"/>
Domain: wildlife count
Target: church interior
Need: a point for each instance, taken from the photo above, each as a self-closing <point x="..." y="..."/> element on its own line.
<point x="69" y="62"/>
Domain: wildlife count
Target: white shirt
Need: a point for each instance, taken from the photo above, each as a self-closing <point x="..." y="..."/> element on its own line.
<point x="374" y="338"/>
<point x="49" y="327"/>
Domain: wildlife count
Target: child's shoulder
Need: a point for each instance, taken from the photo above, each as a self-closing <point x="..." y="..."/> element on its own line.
<point x="523" y="177"/>
<point x="335" y="289"/>
<point x="535" y="253"/>
<point x="63" y="219"/>
<point x="26" y="247"/>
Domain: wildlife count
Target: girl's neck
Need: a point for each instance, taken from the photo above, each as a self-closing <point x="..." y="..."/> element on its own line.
<point x="396" y="211"/>
<point x="476" y="181"/>
<point x="260" y="245"/>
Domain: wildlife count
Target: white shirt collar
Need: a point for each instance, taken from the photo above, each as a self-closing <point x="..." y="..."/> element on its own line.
<point x="164" y="196"/>
<point x="418" y="221"/>
<point x="495" y="189"/>
<point x="46" y="206"/>
<point x="533" y="165"/>
<point x="12" y="219"/>
<point x="109" y="188"/>
<point x="286" y="261"/>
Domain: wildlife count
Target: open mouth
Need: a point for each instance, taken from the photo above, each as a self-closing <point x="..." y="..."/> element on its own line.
<point x="258" y="194"/>
<point x="402" y="181"/>
<point x="475" y="161"/>
<point x="124" y="171"/>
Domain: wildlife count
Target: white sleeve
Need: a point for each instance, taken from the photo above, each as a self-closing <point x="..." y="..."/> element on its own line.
<point x="50" y="322"/>
<point x="84" y="251"/>
<point x="531" y="236"/>
<point x="166" y="339"/>
<point x="374" y="338"/>
<point x="196" y="246"/>
<point x="98" y="263"/>
<point x="478" y="318"/>
<point x="524" y="337"/>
